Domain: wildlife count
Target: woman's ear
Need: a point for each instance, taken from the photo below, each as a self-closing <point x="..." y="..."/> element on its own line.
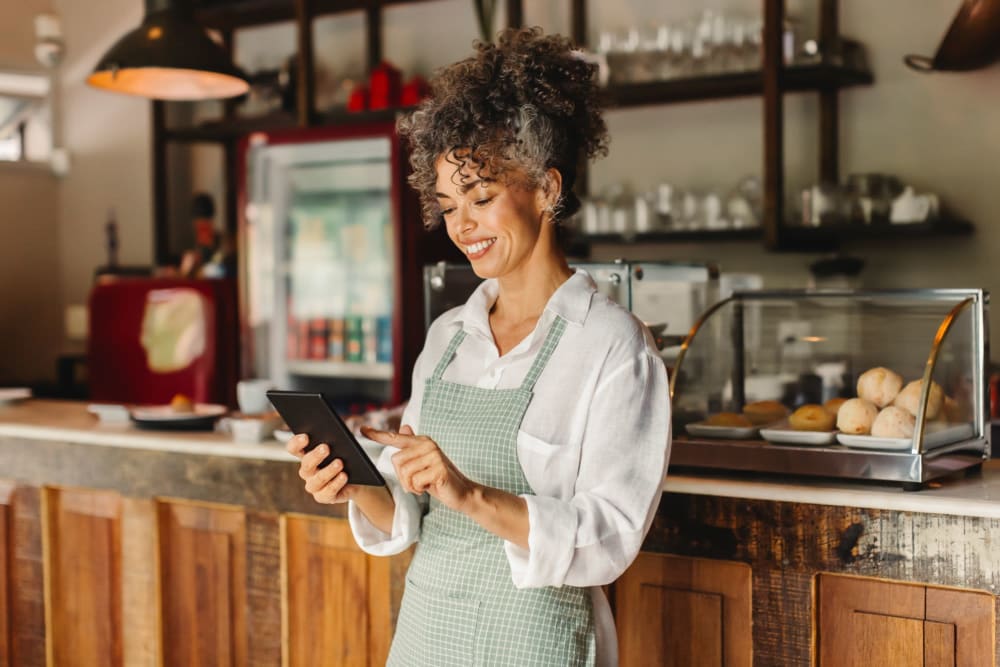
<point x="551" y="189"/>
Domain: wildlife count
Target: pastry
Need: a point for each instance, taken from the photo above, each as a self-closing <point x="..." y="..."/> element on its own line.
<point x="893" y="422"/>
<point x="833" y="405"/>
<point x="855" y="416"/>
<point x="909" y="399"/>
<point x="765" y="412"/>
<point x="879" y="385"/>
<point x="181" y="403"/>
<point x="731" y="419"/>
<point x="811" y="417"/>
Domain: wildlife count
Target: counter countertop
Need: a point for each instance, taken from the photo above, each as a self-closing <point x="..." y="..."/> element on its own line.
<point x="69" y="421"/>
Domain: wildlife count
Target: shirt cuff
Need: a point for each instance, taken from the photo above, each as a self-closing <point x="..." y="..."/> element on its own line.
<point x="405" y="525"/>
<point x="551" y="543"/>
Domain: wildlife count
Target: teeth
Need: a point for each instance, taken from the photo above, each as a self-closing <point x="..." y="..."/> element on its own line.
<point x="479" y="247"/>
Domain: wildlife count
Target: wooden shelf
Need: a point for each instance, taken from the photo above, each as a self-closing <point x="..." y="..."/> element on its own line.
<point x="746" y="234"/>
<point x="233" y="14"/>
<point x="818" y="239"/>
<point x="738" y="84"/>
<point x="344" y="369"/>
<point x="227" y="130"/>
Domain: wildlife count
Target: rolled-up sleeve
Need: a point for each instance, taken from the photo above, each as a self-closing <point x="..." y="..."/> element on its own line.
<point x="590" y="538"/>
<point x="406" y="519"/>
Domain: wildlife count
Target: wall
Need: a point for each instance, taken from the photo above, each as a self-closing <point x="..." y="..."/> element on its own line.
<point x="936" y="131"/>
<point x="30" y="314"/>
<point x="108" y="137"/>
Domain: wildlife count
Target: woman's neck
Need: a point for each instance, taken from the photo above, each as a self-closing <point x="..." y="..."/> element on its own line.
<point x="523" y="296"/>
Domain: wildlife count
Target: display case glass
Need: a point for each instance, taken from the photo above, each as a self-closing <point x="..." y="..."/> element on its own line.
<point x="755" y="384"/>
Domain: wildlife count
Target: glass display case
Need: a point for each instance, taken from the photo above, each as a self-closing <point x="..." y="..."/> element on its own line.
<point x="881" y="385"/>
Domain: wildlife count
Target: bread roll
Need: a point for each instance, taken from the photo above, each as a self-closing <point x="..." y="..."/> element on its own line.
<point x="879" y="385"/>
<point x="855" y="416"/>
<point x="811" y="417"/>
<point x="181" y="403"/>
<point x="909" y="399"/>
<point x="730" y="419"/>
<point x="893" y="422"/>
<point x="833" y="405"/>
<point x="765" y="412"/>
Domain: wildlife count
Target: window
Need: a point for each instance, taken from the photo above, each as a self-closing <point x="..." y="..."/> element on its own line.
<point x="25" y="121"/>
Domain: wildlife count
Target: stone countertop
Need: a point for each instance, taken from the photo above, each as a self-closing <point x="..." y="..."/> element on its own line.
<point x="69" y="423"/>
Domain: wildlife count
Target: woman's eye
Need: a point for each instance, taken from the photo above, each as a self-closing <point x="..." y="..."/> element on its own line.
<point x="448" y="211"/>
<point x="484" y="202"/>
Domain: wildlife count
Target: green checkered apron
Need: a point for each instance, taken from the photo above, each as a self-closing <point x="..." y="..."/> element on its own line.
<point x="460" y="607"/>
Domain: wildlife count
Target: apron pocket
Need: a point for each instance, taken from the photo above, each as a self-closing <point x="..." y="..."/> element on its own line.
<point x="434" y="629"/>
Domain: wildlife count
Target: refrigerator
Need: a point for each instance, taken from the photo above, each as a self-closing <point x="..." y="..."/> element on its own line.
<point x="331" y="247"/>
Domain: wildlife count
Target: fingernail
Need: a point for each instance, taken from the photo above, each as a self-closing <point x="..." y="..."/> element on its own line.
<point x="322" y="449"/>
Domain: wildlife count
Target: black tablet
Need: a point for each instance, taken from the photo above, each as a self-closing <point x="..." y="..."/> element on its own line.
<point x="311" y="413"/>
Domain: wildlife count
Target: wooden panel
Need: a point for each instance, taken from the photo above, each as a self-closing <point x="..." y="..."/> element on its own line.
<point x="264" y="589"/>
<point x="202" y="585"/>
<point x="972" y="614"/>
<point x="683" y="627"/>
<point x="332" y="584"/>
<point x="83" y="533"/>
<point x="887" y="641"/>
<point x="6" y="491"/>
<point x="141" y="639"/>
<point x="27" y="587"/>
<point x="710" y="626"/>
<point x="939" y="644"/>
<point x="858" y="618"/>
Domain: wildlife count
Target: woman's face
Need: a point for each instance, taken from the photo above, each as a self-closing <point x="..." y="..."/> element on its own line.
<point x="496" y="224"/>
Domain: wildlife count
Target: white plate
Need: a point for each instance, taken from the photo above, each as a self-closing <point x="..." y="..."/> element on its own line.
<point x="166" y="413"/>
<point x="789" y="436"/>
<point x="703" y="430"/>
<point x="937" y="435"/>
<point x="10" y="395"/>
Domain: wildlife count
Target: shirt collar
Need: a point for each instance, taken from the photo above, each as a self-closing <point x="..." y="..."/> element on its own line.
<point x="571" y="301"/>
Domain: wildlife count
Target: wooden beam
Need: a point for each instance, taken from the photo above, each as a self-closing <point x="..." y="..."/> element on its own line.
<point x="774" y="163"/>
<point x="373" y="24"/>
<point x="305" y="64"/>
<point x="515" y="14"/>
<point x="829" y="107"/>
<point x="578" y="22"/>
<point x="161" y="229"/>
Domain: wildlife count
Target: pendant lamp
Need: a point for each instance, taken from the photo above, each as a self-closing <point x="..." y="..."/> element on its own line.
<point x="169" y="57"/>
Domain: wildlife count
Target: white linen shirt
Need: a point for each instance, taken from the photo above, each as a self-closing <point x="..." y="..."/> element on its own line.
<point x="593" y="444"/>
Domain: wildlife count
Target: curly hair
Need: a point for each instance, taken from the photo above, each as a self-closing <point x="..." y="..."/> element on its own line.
<point x="521" y="106"/>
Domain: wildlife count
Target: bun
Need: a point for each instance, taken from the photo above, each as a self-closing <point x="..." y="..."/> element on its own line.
<point x="833" y="405"/>
<point x="855" y="416"/>
<point x="909" y="399"/>
<point x="893" y="422"/>
<point x="879" y="385"/>
<point x="765" y="412"/>
<point x="811" y="417"/>
<point x="181" y="403"/>
<point x="728" y="419"/>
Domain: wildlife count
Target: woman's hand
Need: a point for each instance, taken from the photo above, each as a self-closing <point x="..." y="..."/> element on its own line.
<point x="422" y="466"/>
<point x="327" y="485"/>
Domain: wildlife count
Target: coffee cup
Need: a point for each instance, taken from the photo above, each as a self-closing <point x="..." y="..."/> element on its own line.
<point x="252" y="396"/>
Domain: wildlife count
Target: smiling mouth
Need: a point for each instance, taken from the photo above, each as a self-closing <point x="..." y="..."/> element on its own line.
<point x="480" y="247"/>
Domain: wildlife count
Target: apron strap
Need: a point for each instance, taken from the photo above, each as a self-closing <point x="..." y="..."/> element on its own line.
<point x="542" y="358"/>
<point x="446" y="358"/>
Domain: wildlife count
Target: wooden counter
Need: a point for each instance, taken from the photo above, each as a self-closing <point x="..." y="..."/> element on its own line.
<point x="127" y="547"/>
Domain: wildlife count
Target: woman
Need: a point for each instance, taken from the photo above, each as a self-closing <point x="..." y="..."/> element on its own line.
<point x="532" y="452"/>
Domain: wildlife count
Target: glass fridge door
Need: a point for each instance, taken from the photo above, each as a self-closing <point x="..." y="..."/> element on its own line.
<point x="321" y="269"/>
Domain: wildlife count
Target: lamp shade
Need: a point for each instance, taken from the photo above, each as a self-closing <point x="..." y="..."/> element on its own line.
<point x="169" y="57"/>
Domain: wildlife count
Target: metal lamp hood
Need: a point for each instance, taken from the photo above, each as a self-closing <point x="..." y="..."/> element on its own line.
<point x="972" y="40"/>
<point x="169" y="57"/>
